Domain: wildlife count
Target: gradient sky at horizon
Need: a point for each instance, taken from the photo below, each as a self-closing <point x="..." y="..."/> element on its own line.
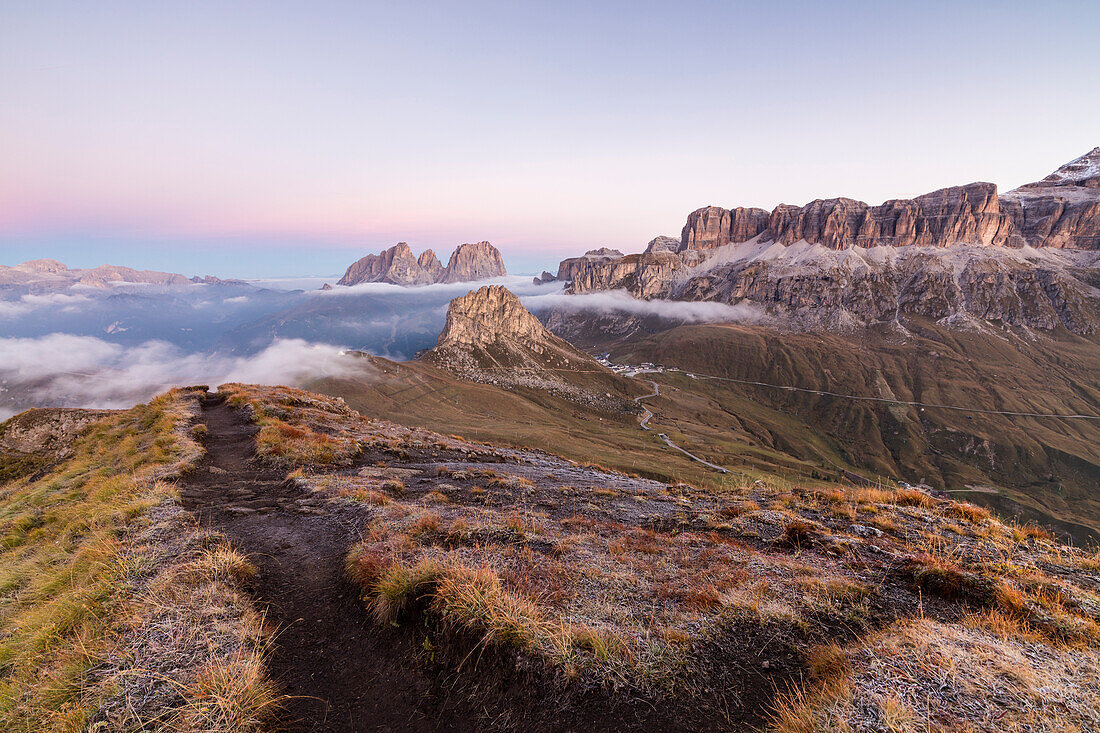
<point x="276" y="138"/>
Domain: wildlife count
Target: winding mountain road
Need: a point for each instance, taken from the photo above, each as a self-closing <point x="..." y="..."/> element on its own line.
<point x="649" y="415"/>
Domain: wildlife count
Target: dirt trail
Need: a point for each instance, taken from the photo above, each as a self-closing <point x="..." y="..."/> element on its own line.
<point x="341" y="673"/>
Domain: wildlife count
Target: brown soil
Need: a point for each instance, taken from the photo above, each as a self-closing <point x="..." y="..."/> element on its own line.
<point x="340" y="671"/>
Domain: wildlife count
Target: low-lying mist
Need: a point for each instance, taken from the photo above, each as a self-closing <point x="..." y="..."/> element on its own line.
<point x="620" y="301"/>
<point x="113" y="347"/>
<point x="84" y="371"/>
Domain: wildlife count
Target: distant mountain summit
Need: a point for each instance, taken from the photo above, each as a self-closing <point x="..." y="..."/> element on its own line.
<point x="1062" y="210"/>
<point x="53" y="274"/>
<point x="398" y="266"/>
<point x="960" y="255"/>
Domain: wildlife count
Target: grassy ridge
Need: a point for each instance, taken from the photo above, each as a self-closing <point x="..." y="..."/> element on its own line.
<point x="105" y="583"/>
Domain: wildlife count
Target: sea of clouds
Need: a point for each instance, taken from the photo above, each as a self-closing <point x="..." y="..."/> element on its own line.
<point x="114" y="347"/>
<point x="84" y="371"/>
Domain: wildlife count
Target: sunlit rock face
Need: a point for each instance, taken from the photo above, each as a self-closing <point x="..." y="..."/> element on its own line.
<point x="398" y="266"/>
<point x="1030" y="257"/>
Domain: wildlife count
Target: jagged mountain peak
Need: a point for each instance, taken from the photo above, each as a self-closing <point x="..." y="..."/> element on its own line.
<point x="398" y="266"/>
<point x="491" y="337"/>
<point x="488" y="314"/>
<point x="476" y="261"/>
<point x="1083" y="171"/>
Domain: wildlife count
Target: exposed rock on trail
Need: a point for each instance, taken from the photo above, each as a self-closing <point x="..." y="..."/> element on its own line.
<point x="339" y="672"/>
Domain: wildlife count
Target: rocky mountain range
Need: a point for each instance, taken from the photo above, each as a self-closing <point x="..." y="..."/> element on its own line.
<point x="51" y="274"/>
<point x="398" y="266"/>
<point x="1030" y="257"/>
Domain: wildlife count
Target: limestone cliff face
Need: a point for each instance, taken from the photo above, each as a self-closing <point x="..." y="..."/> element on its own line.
<point x="1062" y="210"/>
<point x="489" y="314"/>
<point x="490" y="337"/>
<point x="469" y="262"/>
<point x="970" y="214"/>
<point x="569" y="268"/>
<point x="398" y="266"/>
<point x="1028" y="258"/>
<point x="647" y="275"/>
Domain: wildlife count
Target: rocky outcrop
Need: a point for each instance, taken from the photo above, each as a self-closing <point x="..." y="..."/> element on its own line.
<point x="648" y="275"/>
<point x="961" y="253"/>
<point x="490" y="337"/>
<point x="215" y="280"/>
<point x="568" y="269"/>
<point x="46" y="430"/>
<point x="398" y="266"/>
<point x="488" y="315"/>
<point x="663" y="244"/>
<point x="470" y="262"/>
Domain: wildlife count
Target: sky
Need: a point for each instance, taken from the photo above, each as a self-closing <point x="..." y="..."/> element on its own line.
<point x="276" y="138"/>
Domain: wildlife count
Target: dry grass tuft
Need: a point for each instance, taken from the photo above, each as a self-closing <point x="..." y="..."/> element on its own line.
<point x="475" y="599"/>
<point x="399" y="587"/>
<point x="798" y="533"/>
<point x="394" y="486"/>
<point x="229" y="696"/>
<point x="947" y="579"/>
<point x="1025" y="532"/>
<point x="912" y="497"/>
<point x="829" y="664"/>
<point x="1092" y="562"/>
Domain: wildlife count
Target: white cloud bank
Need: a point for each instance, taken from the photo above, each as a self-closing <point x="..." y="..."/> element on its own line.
<point x="434" y="291"/>
<point x="32" y="301"/>
<point x="83" y="371"/>
<point x="620" y="301"/>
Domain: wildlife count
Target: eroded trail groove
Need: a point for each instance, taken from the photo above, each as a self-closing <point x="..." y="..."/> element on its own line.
<point x="340" y="673"/>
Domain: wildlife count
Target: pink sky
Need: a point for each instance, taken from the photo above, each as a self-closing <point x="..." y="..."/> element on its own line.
<point x="343" y="126"/>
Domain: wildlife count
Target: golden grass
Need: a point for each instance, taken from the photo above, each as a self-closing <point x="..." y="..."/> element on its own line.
<point x="1092" y="562"/>
<point x="228" y="696"/>
<point x="609" y="600"/>
<point x="619" y="594"/>
<point x="295" y="426"/>
<point x="77" y="553"/>
<point x="970" y="512"/>
<point x="473" y="598"/>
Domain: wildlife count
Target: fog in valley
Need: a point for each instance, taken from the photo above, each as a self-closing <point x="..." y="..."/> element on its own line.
<point x="114" y="346"/>
<point x="111" y="347"/>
